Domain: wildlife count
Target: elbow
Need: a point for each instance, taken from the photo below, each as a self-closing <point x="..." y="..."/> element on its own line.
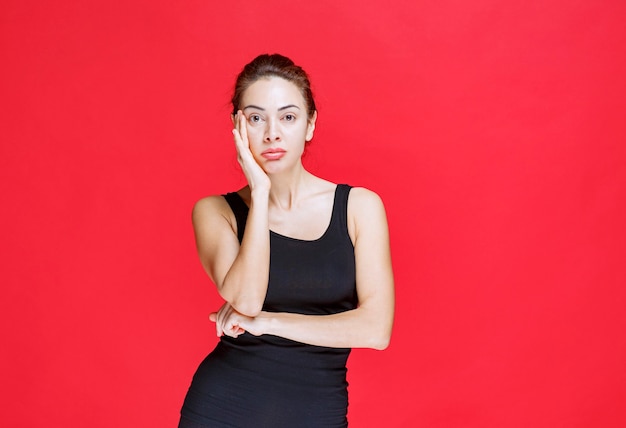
<point x="378" y="339"/>
<point x="381" y="337"/>
<point x="247" y="305"/>
<point x="381" y="343"/>
<point x="248" y="308"/>
<point x="381" y="346"/>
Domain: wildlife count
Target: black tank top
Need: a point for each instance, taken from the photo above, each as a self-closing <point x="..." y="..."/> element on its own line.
<point x="269" y="381"/>
<point x="313" y="277"/>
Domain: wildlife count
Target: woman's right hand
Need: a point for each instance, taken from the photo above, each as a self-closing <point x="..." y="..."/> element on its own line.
<point x="226" y="322"/>
<point x="229" y="322"/>
<point x="256" y="177"/>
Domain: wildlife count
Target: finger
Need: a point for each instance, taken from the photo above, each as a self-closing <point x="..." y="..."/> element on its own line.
<point x="218" y="327"/>
<point x="238" y="123"/>
<point x="231" y="330"/>
<point x="218" y="330"/>
<point x="235" y="118"/>
<point x="220" y="319"/>
<point x="229" y="321"/>
<point x="243" y="130"/>
<point x="221" y="315"/>
<point x="240" y="146"/>
<point x="231" y="325"/>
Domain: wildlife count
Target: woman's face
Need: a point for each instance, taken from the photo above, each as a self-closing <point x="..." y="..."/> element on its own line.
<point x="277" y="123"/>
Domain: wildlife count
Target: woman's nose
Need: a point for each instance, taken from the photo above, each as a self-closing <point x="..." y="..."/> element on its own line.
<point x="272" y="132"/>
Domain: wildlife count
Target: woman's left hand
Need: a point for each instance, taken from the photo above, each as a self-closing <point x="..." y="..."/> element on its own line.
<point x="231" y="323"/>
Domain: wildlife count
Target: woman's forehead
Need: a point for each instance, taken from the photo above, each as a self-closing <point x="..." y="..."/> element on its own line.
<point x="271" y="92"/>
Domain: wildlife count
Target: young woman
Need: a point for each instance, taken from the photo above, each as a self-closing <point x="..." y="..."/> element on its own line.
<point x="302" y="263"/>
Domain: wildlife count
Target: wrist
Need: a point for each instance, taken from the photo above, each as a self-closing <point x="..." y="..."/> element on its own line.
<point x="260" y="194"/>
<point x="267" y="322"/>
<point x="259" y="198"/>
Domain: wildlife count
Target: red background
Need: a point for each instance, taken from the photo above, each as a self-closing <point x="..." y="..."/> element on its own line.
<point x="494" y="131"/>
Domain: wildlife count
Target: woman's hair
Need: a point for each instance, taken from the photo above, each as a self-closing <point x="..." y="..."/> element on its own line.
<point x="274" y="65"/>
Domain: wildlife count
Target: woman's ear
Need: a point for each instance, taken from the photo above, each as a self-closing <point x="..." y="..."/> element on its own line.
<point x="311" y="127"/>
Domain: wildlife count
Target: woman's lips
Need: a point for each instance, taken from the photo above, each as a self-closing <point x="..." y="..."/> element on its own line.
<point x="273" y="154"/>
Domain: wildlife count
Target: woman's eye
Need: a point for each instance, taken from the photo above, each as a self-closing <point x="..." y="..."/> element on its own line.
<point x="289" y="117"/>
<point x="254" y="118"/>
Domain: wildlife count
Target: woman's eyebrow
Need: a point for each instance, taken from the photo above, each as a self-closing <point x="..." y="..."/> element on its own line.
<point x="289" y="106"/>
<point x="253" y="106"/>
<point x="262" y="109"/>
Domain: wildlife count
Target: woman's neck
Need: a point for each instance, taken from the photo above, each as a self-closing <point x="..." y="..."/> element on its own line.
<point x="286" y="189"/>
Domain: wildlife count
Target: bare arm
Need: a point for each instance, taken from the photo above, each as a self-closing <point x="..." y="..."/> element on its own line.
<point x="367" y="326"/>
<point x="240" y="272"/>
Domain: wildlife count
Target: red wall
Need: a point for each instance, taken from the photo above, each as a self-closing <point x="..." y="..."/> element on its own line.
<point x="493" y="130"/>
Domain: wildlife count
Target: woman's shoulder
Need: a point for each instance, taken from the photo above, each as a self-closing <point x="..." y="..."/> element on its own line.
<point x="216" y="206"/>
<point x="365" y="212"/>
<point x="218" y="201"/>
<point x="210" y="203"/>
<point x="364" y="198"/>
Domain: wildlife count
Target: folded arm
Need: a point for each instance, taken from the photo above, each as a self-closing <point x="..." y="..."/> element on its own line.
<point x="240" y="272"/>
<point x="367" y="326"/>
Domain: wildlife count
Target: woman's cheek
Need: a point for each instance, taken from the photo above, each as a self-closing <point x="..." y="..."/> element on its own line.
<point x="255" y="135"/>
<point x="256" y="150"/>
